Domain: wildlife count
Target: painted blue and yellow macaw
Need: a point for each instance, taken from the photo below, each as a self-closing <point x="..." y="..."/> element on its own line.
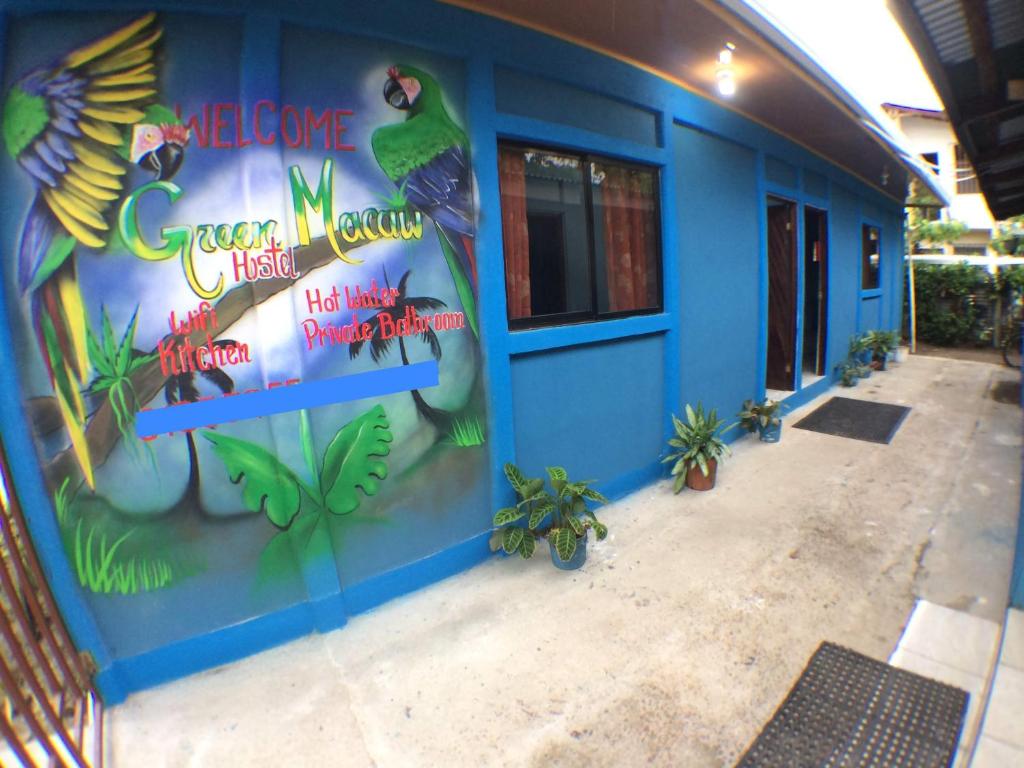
<point x="427" y="157"/>
<point x="73" y="127"/>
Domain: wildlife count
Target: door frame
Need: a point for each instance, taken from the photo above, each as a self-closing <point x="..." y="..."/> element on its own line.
<point x="796" y="220"/>
<point x="824" y="290"/>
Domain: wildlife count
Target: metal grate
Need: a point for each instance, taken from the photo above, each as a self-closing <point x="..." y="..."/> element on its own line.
<point x="850" y="710"/>
<point x="50" y="714"/>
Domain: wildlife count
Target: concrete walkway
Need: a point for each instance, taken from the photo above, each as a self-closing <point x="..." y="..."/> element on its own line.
<point x="678" y="638"/>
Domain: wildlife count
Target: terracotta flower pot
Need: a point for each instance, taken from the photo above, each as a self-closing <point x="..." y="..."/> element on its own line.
<point x="696" y="480"/>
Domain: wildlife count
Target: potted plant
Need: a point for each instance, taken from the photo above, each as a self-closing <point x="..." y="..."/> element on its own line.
<point x="560" y="516"/>
<point x="849" y="372"/>
<point x="698" y="449"/>
<point x="859" y="355"/>
<point x="765" y="418"/>
<point x="881" y="343"/>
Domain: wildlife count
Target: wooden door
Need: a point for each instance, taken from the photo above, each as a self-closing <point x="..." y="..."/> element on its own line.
<point x="781" y="294"/>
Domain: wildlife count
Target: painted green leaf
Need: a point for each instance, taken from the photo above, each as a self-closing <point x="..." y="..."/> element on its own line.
<point x="269" y="485"/>
<point x="511" y="538"/>
<point x="349" y="462"/>
<point x="565" y="543"/>
<point x="507" y="515"/>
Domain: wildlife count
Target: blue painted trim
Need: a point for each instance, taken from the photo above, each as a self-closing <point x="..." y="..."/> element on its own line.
<point x="222" y="646"/>
<point x="807" y="394"/>
<point x="871" y="293"/>
<point x="308" y="394"/>
<point x="560" y="336"/>
<point x="379" y="589"/>
<point x="236" y="642"/>
<point x="529" y="129"/>
<point x="491" y="275"/>
<point x="670" y="275"/>
<point x="762" y="276"/>
<point x="798" y="342"/>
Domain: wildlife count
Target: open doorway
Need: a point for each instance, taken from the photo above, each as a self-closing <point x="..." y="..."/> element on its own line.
<point x="782" y="295"/>
<point x="815" y="292"/>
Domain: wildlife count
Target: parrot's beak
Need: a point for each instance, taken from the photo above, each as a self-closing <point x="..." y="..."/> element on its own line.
<point x="394" y="94"/>
<point x="164" y="161"/>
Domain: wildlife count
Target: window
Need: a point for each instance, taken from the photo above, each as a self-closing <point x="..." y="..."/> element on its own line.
<point x="871" y="257"/>
<point x="581" y="236"/>
<point x="966" y="179"/>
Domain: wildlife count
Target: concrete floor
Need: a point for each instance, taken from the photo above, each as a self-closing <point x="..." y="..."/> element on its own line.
<point x="678" y="638"/>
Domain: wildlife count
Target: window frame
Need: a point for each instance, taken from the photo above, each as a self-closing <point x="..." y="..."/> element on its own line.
<point x="877" y="288"/>
<point x="593" y="315"/>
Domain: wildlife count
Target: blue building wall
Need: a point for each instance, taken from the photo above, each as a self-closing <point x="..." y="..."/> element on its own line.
<point x="594" y="397"/>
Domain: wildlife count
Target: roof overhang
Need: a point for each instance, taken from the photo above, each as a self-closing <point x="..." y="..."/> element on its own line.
<point x="973" y="51"/>
<point x="780" y="85"/>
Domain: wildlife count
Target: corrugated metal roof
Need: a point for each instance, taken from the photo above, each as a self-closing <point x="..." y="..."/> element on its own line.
<point x="947" y="29"/>
<point x="1007" y="21"/>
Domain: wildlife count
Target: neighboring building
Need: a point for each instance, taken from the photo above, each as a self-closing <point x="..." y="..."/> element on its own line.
<point x="533" y="232"/>
<point x="929" y="134"/>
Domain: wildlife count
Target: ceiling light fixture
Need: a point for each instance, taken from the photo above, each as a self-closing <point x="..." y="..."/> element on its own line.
<point x="724" y="73"/>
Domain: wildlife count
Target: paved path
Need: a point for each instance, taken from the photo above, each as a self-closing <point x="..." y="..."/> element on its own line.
<point x="678" y="638"/>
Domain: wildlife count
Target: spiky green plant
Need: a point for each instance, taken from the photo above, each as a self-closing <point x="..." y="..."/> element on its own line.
<point x="697" y="442"/>
<point x="115" y="362"/>
<point x="397" y="199"/>
<point x="101" y="569"/>
<point x="466" y="433"/>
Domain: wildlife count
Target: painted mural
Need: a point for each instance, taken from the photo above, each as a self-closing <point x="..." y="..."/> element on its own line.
<point x="190" y="222"/>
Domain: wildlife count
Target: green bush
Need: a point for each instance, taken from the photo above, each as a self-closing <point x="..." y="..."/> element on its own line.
<point x="946" y="311"/>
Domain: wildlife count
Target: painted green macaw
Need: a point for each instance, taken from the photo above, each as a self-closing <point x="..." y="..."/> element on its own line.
<point x="427" y="157"/>
<point x="74" y="127"/>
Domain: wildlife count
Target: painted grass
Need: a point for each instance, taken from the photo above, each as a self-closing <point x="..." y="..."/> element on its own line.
<point x="61" y="502"/>
<point x="100" y="569"/>
<point x="466" y="433"/>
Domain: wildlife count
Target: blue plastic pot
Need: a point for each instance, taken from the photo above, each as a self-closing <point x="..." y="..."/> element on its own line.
<point x="579" y="557"/>
<point x="770" y="434"/>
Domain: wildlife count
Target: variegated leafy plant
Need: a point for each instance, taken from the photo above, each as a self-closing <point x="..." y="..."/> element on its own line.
<point x="560" y="515"/>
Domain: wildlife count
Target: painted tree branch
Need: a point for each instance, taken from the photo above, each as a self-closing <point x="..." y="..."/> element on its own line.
<point x="102" y="433"/>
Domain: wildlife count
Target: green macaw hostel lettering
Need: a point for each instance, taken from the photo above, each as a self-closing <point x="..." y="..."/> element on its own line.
<point x="182" y="241"/>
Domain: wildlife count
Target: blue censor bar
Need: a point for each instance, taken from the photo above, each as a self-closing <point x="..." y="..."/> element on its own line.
<point x="267" y="402"/>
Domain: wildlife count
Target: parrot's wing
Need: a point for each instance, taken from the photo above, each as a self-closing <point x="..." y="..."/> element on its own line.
<point x="84" y="102"/>
<point x="441" y="188"/>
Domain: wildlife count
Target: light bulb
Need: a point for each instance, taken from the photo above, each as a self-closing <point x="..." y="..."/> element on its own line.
<point x="726" y="83"/>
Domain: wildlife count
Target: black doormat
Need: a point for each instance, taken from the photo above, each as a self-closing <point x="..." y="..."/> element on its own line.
<point x="859" y="419"/>
<point x="848" y="710"/>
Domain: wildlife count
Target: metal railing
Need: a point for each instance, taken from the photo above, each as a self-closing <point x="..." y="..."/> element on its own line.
<point x="51" y="714"/>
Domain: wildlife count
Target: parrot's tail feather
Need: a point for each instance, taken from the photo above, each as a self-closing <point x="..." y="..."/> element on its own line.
<point x="59" y="319"/>
<point x="43" y="247"/>
<point x="468" y="246"/>
<point x="463" y="286"/>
